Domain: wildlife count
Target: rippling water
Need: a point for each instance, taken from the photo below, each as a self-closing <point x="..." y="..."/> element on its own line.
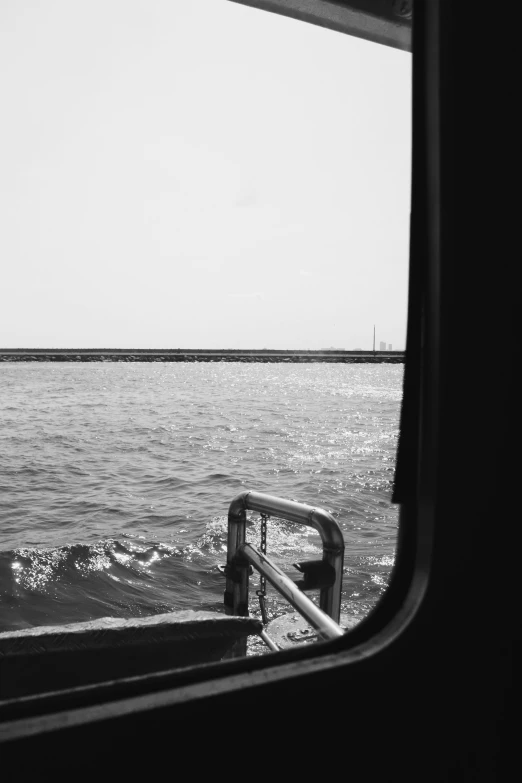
<point x="116" y="478"/>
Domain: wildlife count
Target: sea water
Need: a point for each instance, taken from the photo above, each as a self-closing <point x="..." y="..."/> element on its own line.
<point x="115" y="480"/>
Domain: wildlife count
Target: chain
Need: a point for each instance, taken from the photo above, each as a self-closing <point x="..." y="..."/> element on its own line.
<point x="261" y="593"/>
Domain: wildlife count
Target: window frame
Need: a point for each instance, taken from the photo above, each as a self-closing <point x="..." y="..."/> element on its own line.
<point x="414" y="490"/>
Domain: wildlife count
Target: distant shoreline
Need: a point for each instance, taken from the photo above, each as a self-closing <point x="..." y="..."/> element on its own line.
<point x="196" y="355"/>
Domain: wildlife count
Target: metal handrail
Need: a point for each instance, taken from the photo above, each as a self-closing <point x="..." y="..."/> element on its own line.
<point x="327" y="628"/>
<point x="236" y="591"/>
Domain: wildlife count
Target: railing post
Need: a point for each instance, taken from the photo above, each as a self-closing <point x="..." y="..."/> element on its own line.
<point x="237" y="572"/>
<point x="236" y="589"/>
<point x="333" y="554"/>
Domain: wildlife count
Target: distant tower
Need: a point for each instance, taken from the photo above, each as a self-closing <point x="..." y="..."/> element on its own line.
<point x="382" y="346"/>
<point x="390" y="347"/>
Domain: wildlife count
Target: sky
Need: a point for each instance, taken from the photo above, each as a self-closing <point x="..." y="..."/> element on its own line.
<point x="199" y="175"/>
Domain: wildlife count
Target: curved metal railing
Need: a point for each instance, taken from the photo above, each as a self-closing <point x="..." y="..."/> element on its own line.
<point x="326" y="575"/>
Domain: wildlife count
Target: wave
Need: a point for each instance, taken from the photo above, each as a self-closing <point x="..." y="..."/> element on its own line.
<point x="32" y="568"/>
<point x="118" y="578"/>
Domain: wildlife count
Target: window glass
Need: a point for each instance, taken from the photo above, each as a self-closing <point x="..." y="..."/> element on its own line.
<point x="194" y="176"/>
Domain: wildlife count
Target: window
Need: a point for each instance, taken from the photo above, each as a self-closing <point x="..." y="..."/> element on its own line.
<point x="181" y="195"/>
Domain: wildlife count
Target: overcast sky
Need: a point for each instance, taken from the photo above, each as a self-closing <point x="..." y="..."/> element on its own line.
<point x="199" y="174"/>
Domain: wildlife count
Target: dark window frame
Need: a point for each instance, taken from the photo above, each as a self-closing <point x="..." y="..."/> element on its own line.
<point x="408" y="579"/>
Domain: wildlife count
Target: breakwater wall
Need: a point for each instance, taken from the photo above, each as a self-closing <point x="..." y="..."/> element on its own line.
<point x="196" y="355"/>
